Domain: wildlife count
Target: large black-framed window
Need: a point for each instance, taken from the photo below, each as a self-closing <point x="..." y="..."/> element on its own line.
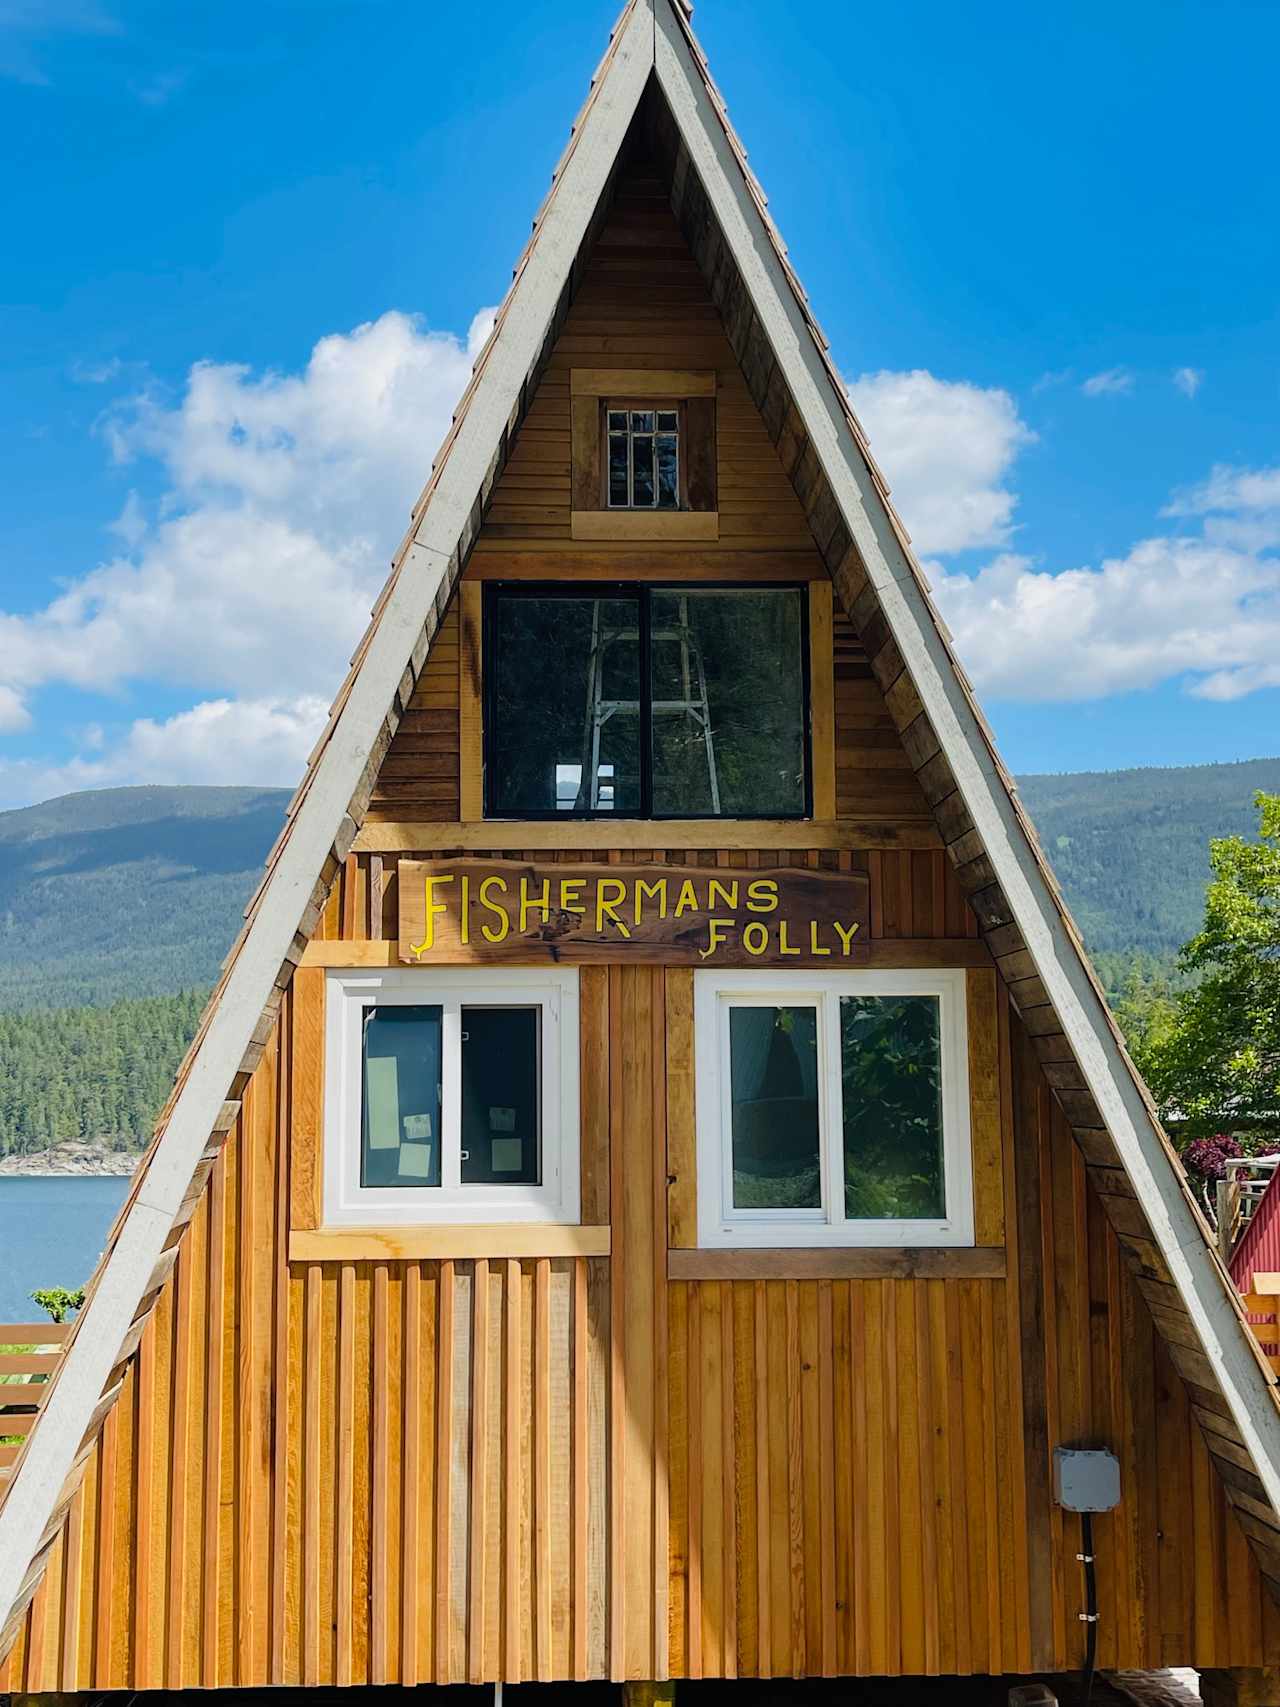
<point x="646" y="701"/>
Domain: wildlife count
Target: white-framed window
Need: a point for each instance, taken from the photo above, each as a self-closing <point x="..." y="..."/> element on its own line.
<point x="832" y="1109"/>
<point x="451" y="1096"/>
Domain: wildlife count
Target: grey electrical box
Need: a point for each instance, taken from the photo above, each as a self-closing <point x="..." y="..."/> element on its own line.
<point x="1085" y="1481"/>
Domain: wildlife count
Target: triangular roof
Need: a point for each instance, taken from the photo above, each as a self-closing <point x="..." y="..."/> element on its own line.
<point x="654" y="73"/>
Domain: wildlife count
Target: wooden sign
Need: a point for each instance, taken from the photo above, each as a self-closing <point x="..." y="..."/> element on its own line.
<point x="455" y="911"/>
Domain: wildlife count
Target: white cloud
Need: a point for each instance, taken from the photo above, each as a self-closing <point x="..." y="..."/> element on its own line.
<point x="263" y="741"/>
<point x="946" y="448"/>
<point x="131" y="524"/>
<point x="1205" y="607"/>
<point x="13" y="713"/>
<point x="286" y="494"/>
<point x="1169" y="608"/>
<point x="1112" y="382"/>
<point x="1188" y="380"/>
<point x="1228" y="489"/>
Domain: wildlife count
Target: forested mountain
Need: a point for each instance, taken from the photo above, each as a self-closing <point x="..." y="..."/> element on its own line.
<point x="112" y="902"/>
<point x="1131" y="848"/>
<point x="97" y="1074"/>
<point x="127" y="891"/>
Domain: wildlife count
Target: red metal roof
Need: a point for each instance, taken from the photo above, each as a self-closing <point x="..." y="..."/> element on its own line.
<point x="1259" y="1248"/>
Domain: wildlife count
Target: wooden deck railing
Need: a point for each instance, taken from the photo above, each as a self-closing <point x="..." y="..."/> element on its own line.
<point x="29" y="1353"/>
<point x="1239" y="1192"/>
<point x="1262" y="1310"/>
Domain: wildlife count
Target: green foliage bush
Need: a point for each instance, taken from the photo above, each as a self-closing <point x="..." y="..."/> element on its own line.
<point x="1214" y="1058"/>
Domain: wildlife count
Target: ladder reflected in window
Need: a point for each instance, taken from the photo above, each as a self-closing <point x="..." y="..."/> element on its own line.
<point x="597" y="788"/>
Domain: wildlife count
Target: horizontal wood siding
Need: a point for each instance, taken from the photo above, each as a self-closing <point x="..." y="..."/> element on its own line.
<point x="419" y="776"/>
<point x="873" y="772"/>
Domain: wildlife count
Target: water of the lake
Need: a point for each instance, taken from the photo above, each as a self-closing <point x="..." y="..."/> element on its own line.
<point x="52" y="1230"/>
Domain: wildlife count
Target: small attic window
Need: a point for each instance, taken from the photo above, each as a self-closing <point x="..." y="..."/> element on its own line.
<point x="643" y="456"/>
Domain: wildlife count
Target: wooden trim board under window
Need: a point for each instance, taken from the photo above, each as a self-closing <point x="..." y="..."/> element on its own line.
<point x="512" y="1239"/>
<point x="842" y="1262"/>
<point x="700" y="526"/>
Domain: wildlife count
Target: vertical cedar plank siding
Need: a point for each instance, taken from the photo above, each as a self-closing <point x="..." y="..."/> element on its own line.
<point x="404" y="1472"/>
<point x="443" y="1471"/>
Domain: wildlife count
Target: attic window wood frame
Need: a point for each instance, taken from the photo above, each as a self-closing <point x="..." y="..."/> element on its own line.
<point x="593" y="392"/>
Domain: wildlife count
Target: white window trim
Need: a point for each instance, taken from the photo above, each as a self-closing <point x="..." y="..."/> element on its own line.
<point x="720" y="1224"/>
<point x="556" y="1200"/>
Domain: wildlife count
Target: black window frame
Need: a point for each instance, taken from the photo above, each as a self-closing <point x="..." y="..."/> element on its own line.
<point x="642" y="592"/>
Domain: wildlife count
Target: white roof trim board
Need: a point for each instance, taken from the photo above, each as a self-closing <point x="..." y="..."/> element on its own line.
<point x="652" y="40"/>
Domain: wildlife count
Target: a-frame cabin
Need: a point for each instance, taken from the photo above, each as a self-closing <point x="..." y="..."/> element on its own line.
<point x="657" y="1180"/>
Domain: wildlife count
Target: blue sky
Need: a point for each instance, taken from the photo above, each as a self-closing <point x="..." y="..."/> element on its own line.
<point x="247" y="245"/>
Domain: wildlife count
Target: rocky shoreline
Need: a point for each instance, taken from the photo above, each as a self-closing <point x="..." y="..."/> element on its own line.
<point x="70" y="1158"/>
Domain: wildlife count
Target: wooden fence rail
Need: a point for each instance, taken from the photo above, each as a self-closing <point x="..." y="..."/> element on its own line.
<point x="1261" y="1310"/>
<point x="29" y="1352"/>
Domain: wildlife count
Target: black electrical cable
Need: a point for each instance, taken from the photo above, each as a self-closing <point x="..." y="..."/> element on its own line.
<point x="1089" y="1617"/>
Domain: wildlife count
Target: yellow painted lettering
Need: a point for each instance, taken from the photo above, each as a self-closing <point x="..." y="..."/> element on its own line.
<point x="722" y="894"/>
<point x="433" y="909"/>
<point x="487" y="931"/>
<point x="753" y="943"/>
<point x="762" y="895"/>
<point x="813" y="939"/>
<point x="687" y="900"/>
<point x="656" y="891"/>
<point x="716" y="929"/>
<point x="571" y="894"/>
<point x="540" y="903"/>
<point x="846" y="935"/>
<point x="784" y="945"/>
<point x="608" y="904"/>
<point x="464" y="917"/>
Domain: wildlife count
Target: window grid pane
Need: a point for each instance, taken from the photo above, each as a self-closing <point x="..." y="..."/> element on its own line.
<point x="727" y="687"/>
<point x="774" y="1120"/>
<point x="563" y="726"/>
<point x="643" y="459"/>
<point x="891" y="1087"/>
<point x="401" y="1096"/>
<point x="501" y="1104"/>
